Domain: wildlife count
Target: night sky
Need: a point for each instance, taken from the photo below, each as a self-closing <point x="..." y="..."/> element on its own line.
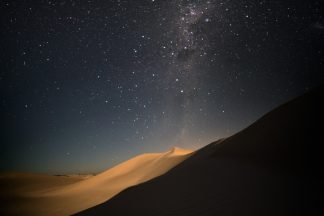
<point x="87" y="84"/>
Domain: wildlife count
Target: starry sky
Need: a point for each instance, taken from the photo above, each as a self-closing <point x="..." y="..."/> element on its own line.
<point x="87" y="84"/>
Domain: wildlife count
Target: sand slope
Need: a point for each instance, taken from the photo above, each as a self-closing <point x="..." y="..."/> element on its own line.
<point x="273" y="167"/>
<point x="73" y="196"/>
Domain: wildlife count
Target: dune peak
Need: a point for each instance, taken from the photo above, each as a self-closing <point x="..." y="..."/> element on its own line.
<point x="179" y="151"/>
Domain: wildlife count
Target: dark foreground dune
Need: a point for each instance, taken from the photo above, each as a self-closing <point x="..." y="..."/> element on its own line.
<point x="273" y="167"/>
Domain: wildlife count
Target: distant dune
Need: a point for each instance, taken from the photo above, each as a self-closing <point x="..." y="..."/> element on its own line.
<point x="34" y="194"/>
<point x="273" y="167"/>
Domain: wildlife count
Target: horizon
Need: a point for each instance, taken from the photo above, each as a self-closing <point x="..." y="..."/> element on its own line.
<point x="94" y="172"/>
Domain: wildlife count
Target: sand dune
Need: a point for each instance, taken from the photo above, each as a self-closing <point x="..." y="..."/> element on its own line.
<point x="53" y="195"/>
<point x="272" y="168"/>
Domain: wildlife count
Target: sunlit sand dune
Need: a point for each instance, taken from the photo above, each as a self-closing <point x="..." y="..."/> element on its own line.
<point x="65" y="195"/>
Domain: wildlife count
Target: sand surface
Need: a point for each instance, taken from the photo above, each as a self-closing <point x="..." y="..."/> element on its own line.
<point x="36" y="194"/>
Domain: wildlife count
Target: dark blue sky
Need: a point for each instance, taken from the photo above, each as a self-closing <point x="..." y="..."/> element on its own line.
<point x="87" y="84"/>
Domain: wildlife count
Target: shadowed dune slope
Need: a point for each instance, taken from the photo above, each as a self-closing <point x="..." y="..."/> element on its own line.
<point x="273" y="167"/>
<point x="50" y="195"/>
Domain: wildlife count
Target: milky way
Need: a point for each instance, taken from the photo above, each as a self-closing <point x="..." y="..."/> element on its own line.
<point x="102" y="81"/>
<point x="188" y="47"/>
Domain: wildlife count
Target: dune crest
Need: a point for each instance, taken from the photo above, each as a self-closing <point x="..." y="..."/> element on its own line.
<point x="71" y="198"/>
